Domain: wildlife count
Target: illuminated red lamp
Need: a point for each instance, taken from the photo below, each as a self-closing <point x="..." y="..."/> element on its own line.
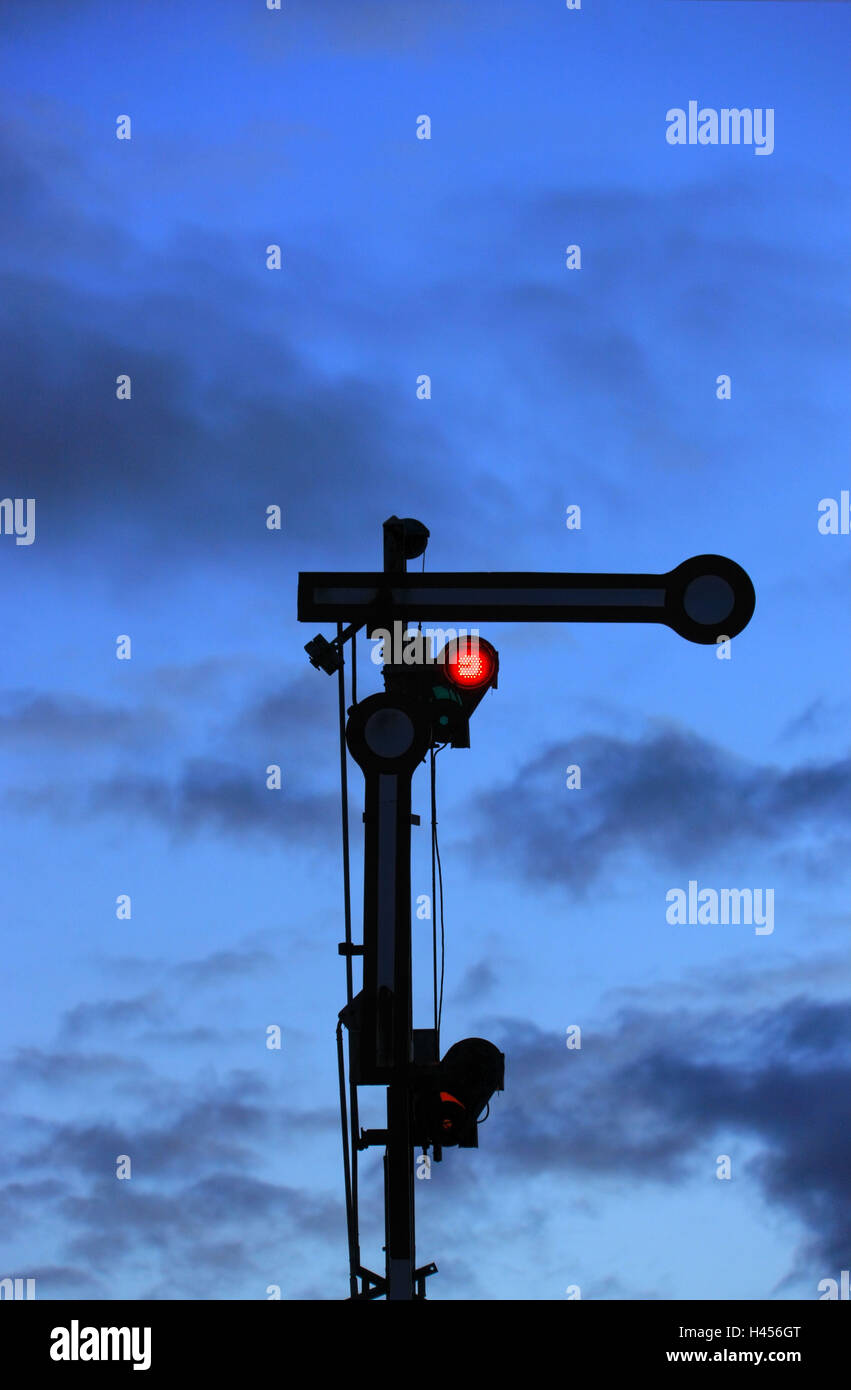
<point x="470" y="663"/>
<point x="450" y="1119"/>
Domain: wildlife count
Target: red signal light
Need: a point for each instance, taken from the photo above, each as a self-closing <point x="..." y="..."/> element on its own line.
<point x="470" y="662"/>
<point x="450" y="1118"/>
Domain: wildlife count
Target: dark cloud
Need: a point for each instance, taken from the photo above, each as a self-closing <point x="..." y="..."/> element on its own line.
<point x="671" y="796"/>
<point x="224" y="965"/>
<point x="198" y="679"/>
<point x="221" y="798"/>
<point x="206" y="796"/>
<point x="66" y="1068"/>
<point x="204" y="792"/>
<point x="380" y="26"/>
<point x="227" y="417"/>
<point x="20" y="1200"/>
<point x="207" y="1221"/>
<point x="307" y="701"/>
<point x="217" y="1140"/>
<point x="229" y="1197"/>
<point x="75" y="721"/>
<point x="111" y="1015"/>
<point x="477" y="982"/>
<point x="257" y="1223"/>
<point x="215" y="1132"/>
<point x="216" y="1125"/>
<point x="187" y="1037"/>
<point x="650" y="1097"/>
<point x="194" y="458"/>
<point x="375" y="26"/>
<point x="50" y="1279"/>
<point x="821" y="716"/>
<point x="613" y="1289"/>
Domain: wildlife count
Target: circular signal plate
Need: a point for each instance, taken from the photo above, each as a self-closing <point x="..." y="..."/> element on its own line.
<point x="709" y="597"/>
<point x="388" y="733"/>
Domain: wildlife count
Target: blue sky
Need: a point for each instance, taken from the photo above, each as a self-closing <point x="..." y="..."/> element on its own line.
<point x="298" y="387"/>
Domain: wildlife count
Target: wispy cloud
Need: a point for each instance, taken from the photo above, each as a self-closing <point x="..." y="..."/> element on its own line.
<point x="644" y="1097"/>
<point x="672" y="796"/>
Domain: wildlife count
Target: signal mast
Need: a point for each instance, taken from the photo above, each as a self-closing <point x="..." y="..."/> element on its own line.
<point x="435" y="1102"/>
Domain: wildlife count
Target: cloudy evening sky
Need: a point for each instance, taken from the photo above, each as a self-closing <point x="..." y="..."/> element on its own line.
<point x="297" y="387"/>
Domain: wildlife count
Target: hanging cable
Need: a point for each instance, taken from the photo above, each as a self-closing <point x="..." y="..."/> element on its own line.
<point x="442" y="937"/>
<point x="436" y="853"/>
<point x="434" y="894"/>
<point x="349" y="1139"/>
<point x="351" y="1214"/>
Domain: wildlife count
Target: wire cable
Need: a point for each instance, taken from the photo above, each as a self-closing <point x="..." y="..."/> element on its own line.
<point x="350" y="1149"/>
<point x="351" y="1215"/>
<point x="442" y="927"/>
<point x="434" y="895"/>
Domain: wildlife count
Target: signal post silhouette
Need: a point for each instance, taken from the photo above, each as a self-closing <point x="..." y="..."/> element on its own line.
<point x="434" y="1103"/>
